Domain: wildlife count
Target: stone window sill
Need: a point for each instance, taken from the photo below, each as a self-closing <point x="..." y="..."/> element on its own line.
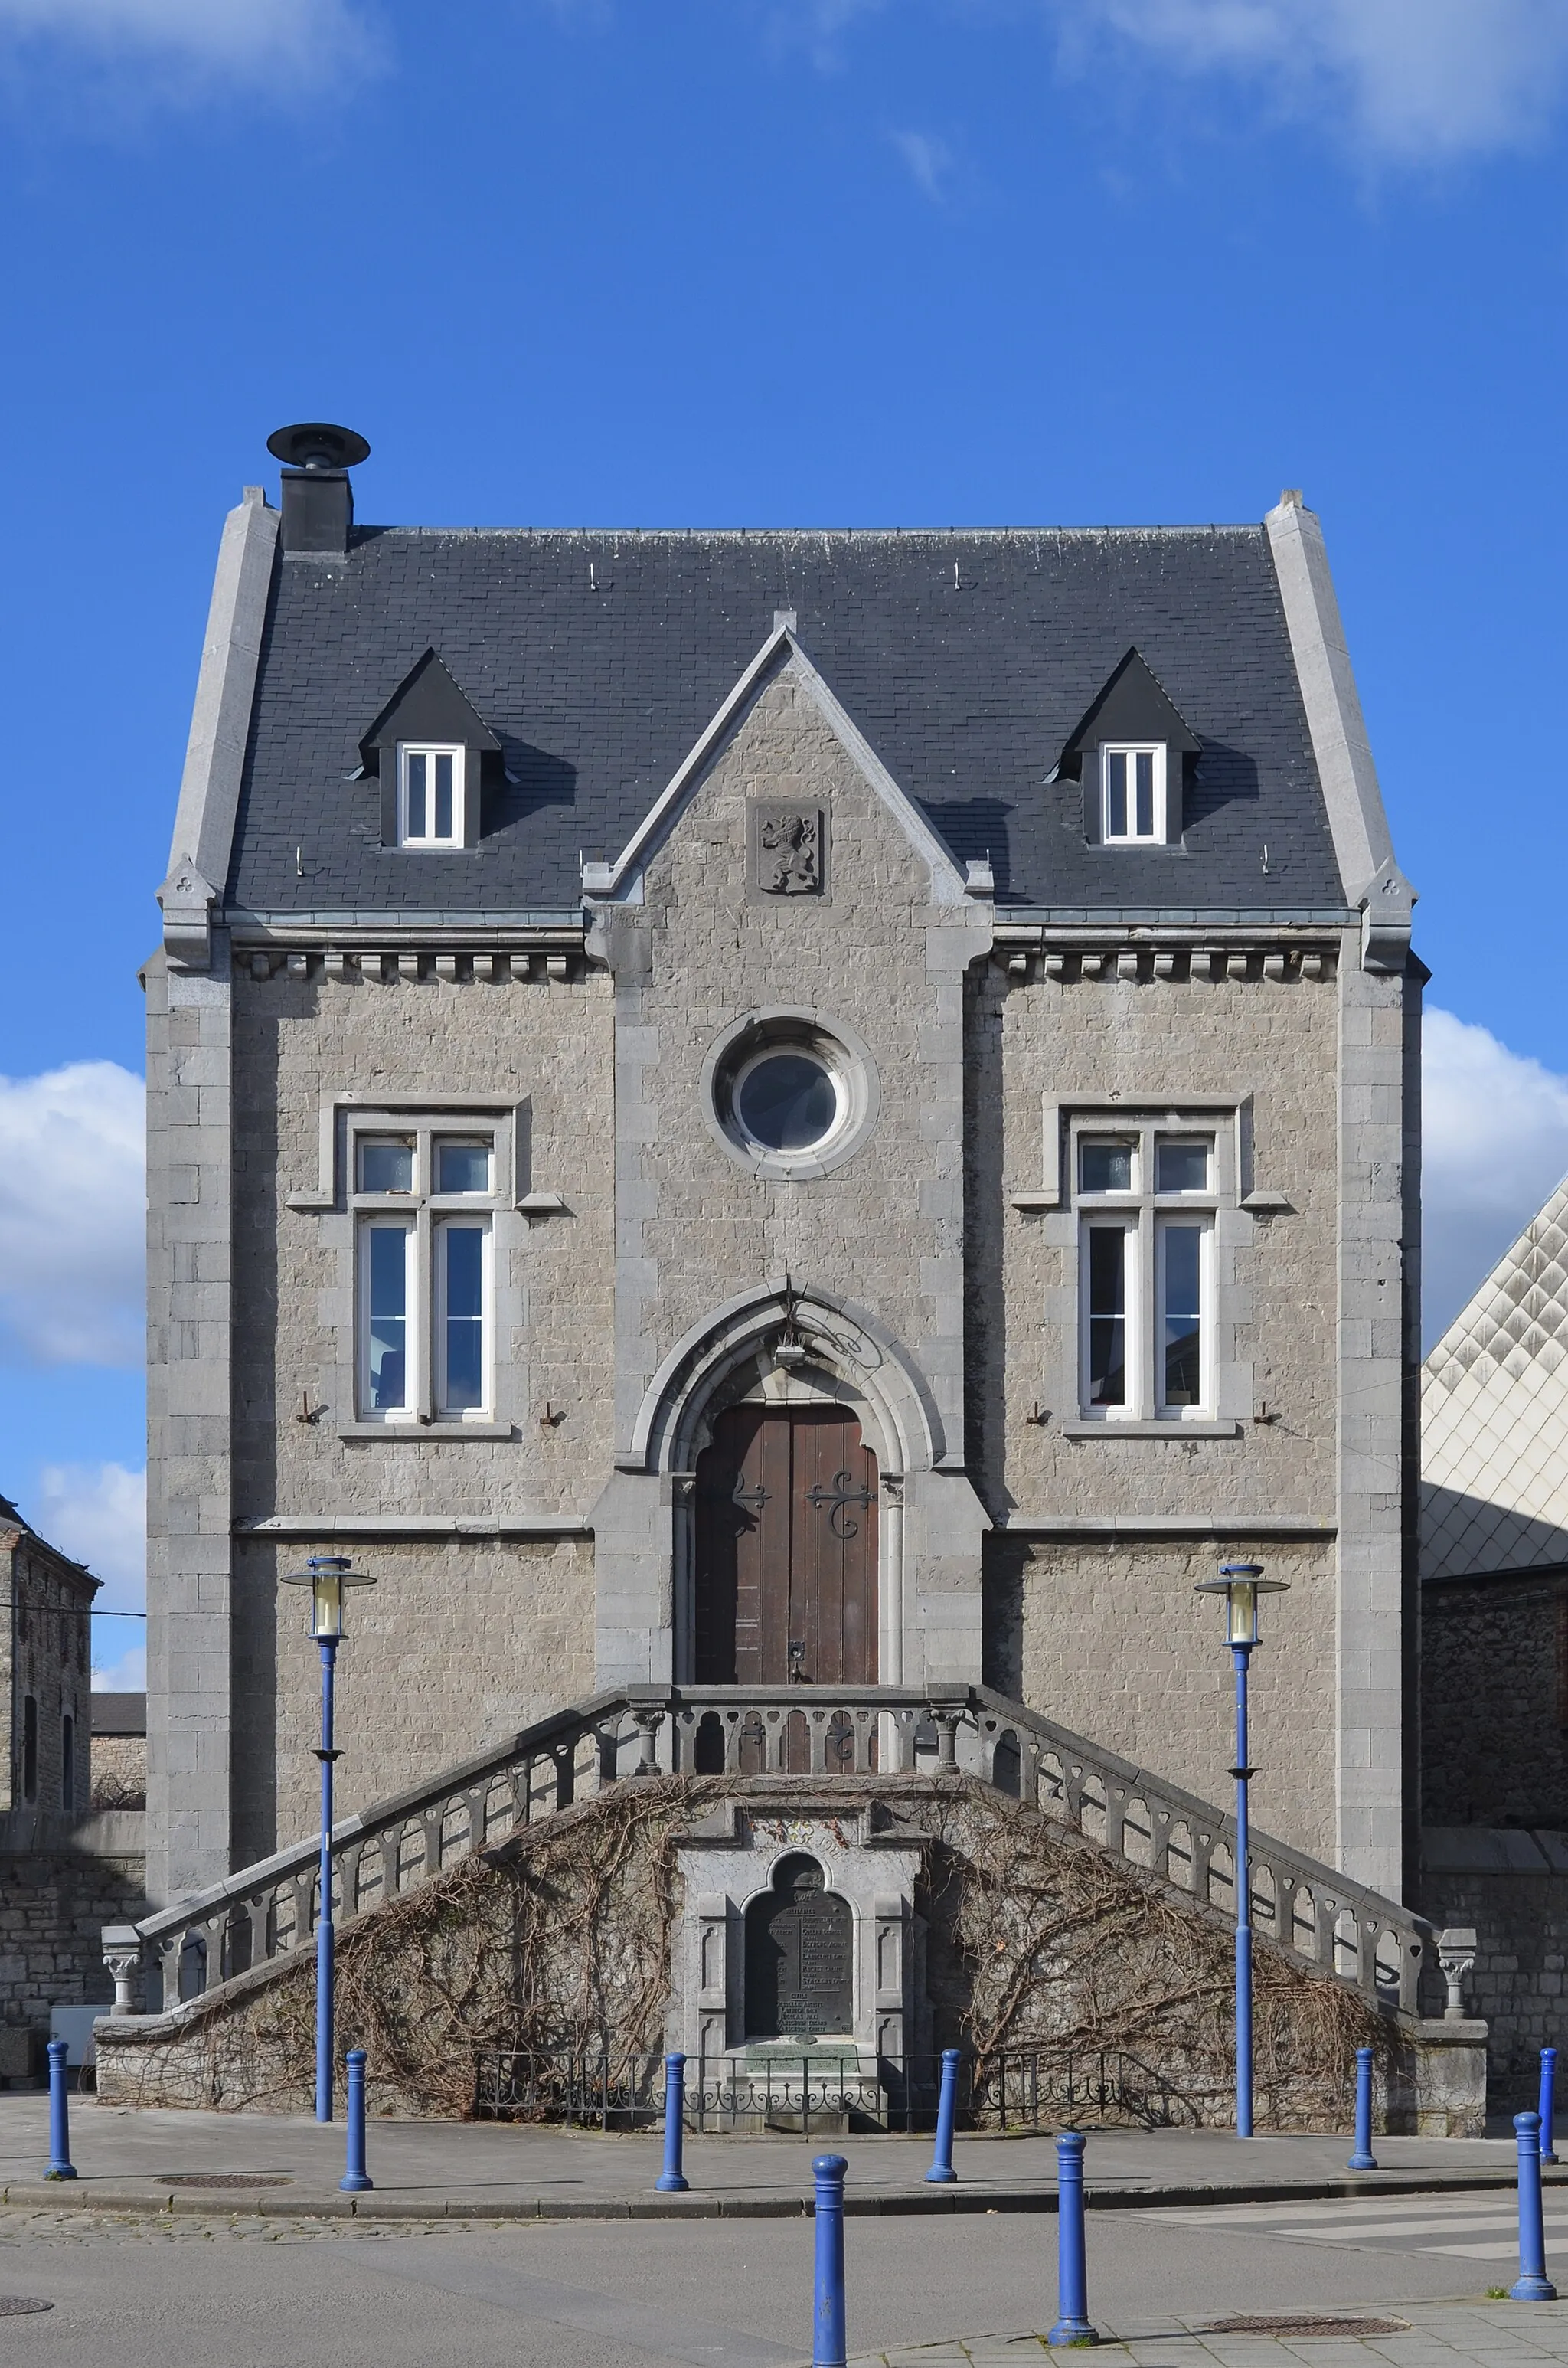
<point x="427" y="1431"/>
<point x="1151" y="1430"/>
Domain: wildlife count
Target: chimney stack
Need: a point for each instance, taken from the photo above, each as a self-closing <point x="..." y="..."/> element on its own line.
<point x="318" y="501"/>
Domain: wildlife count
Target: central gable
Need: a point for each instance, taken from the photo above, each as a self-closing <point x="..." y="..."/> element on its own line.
<point x="788" y="835"/>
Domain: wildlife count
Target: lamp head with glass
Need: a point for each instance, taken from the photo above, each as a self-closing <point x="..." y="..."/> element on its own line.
<point x="326" y="1576"/>
<point x="1241" y="1584"/>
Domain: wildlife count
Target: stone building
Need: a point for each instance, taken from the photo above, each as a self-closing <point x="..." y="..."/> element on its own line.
<point x="734" y="1108"/>
<point x="47" y="1692"/>
<point x="63" y="1871"/>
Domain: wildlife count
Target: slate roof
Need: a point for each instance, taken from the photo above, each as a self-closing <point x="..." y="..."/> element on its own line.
<point x="1494" y="1416"/>
<point x="968" y="689"/>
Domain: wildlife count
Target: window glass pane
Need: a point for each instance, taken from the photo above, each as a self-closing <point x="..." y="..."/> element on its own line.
<point x="1146" y="763"/>
<point x="1181" y="1317"/>
<point x="415" y="797"/>
<point x="386" y="1167"/>
<point x="387" y="1316"/>
<point x="462" y="1168"/>
<point x="443" y="824"/>
<point x="1181" y="1165"/>
<point x="1104" y="1167"/>
<point x="1116" y="795"/>
<point x="787" y="1102"/>
<point x="462" y="1249"/>
<point x="1107" y="1315"/>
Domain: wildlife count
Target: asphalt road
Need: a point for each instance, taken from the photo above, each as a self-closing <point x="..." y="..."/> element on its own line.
<point x="247" y="2293"/>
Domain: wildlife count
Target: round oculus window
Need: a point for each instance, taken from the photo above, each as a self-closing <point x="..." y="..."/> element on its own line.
<point x="787" y="1099"/>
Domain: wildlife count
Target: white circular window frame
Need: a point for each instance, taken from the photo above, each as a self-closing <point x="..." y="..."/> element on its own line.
<point x="779" y="1028"/>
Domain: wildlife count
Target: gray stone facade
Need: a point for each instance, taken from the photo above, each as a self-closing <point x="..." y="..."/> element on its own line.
<point x="647" y="1262"/>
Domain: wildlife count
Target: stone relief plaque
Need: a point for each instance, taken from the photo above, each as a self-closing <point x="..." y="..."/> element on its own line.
<point x="799" y="1965"/>
<point x="789" y="848"/>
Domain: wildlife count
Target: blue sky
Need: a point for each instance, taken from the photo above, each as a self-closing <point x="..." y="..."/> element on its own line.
<point x="727" y="262"/>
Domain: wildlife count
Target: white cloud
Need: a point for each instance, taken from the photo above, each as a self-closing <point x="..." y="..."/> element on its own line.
<point x="1415" y="81"/>
<point x="128" y="1674"/>
<point x="229" y="37"/>
<point x="72" y="1216"/>
<point x="1423" y="80"/>
<point x="97" y="1514"/>
<point x="929" y="161"/>
<point x="1495" y="1130"/>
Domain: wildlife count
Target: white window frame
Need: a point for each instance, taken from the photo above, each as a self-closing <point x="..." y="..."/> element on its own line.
<point x="448" y="1220"/>
<point x="1144" y="1212"/>
<point x="373" y="1219"/>
<point x="1110" y="1219"/>
<point x="1167" y="1212"/>
<point x="422" y="1211"/>
<point x="430" y="748"/>
<point x="1132" y="836"/>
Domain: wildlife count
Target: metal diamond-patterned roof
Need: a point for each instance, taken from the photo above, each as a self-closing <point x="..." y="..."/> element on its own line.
<point x="1494" y="1416"/>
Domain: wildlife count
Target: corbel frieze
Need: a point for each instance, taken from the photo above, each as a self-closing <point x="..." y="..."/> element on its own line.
<point x="415" y="965"/>
<point x="1233" y="959"/>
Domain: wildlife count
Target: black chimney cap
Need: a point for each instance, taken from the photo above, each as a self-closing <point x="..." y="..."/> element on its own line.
<point x="315" y="444"/>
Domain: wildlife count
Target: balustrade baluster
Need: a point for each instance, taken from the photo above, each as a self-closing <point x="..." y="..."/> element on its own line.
<point x="1116" y="1799"/>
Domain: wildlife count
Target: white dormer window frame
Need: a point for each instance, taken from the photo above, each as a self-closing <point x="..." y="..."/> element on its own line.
<point x="431" y="789"/>
<point x="1132" y="793"/>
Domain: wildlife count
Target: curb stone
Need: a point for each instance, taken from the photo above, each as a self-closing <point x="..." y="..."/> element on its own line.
<point x="297" y="2203"/>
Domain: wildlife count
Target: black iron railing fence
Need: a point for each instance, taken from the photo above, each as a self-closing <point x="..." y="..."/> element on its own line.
<point x="774" y="2088"/>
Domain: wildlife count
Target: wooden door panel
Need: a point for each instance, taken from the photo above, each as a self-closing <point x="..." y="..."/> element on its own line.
<point x="786" y="1549"/>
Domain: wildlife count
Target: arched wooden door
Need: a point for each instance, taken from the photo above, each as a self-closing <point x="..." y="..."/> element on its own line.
<point x="786" y="1549"/>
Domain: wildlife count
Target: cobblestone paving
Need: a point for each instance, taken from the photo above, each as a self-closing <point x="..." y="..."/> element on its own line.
<point x="1441" y="2335"/>
<point x="92" y="2227"/>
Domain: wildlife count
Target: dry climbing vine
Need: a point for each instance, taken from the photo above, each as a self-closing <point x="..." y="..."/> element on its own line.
<point x="559" y="1941"/>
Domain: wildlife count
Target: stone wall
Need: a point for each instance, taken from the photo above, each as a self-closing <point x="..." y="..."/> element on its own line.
<point x="1495" y="1702"/>
<point x="464" y="1638"/>
<point x="120" y="1771"/>
<point x="457" y="1646"/>
<point x="58" y="1889"/>
<point x="1110" y="1044"/>
<point x="1511" y="1888"/>
<point x="1109" y="1639"/>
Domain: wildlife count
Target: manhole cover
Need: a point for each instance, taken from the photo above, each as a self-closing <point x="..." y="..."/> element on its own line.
<point x="1300" y="2326"/>
<point x="225" y="2179"/>
<point x="19" y="2305"/>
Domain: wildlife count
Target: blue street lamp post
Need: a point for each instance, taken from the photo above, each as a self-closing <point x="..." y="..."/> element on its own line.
<point x="326" y="1576"/>
<point x="1241" y="1584"/>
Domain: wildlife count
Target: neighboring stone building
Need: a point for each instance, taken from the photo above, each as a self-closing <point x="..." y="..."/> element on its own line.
<point x="1494" y="1637"/>
<point x="48" y="1632"/>
<point x="778" y="1106"/>
<point x="65" y="1873"/>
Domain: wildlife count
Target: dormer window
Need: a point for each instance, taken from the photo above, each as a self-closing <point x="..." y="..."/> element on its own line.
<point x="430" y="785"/>
<point x="1132" y="794"/>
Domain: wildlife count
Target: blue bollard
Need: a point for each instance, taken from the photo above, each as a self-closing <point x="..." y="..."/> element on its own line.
<point x="672" y="2181"/>
<point x="1548" y="2101"/>
<point x="828" y="2337"/>
<point x="1363" y="2158"/>
<point x="356" y="2180"/>
<point x="1073" y="2273"/>
<point x="941" y="2173"/>
<point x="1532" y="2285"/>
<point x="59" y="2163"/>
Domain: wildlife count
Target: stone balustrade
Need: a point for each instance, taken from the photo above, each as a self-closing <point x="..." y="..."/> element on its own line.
<point x="867" y="1732"/>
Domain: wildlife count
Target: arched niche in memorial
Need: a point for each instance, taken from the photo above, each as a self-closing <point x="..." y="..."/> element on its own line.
<point x="800" y="1964"/>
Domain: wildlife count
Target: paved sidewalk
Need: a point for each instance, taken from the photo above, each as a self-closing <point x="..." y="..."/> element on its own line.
<point x="289" y="2164"/>
<point x="1429" y="2335"/>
